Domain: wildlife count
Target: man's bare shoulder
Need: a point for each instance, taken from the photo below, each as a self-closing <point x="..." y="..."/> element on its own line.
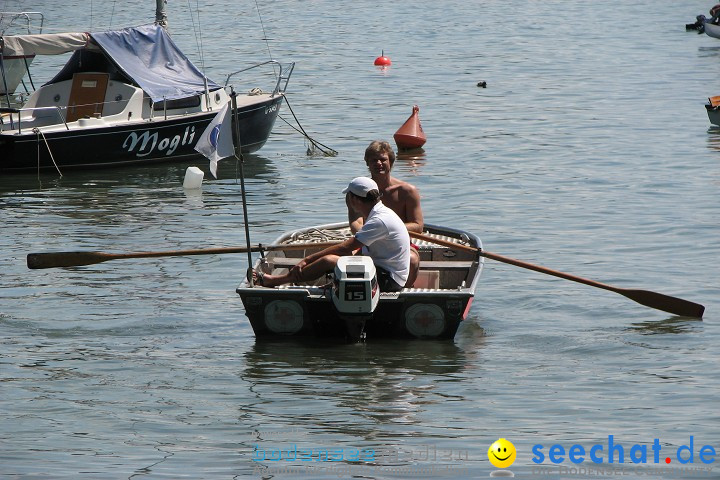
<point x="402" y="187"/>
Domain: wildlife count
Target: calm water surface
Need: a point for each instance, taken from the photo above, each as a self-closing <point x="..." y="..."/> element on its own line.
<point x="589" y="152"/>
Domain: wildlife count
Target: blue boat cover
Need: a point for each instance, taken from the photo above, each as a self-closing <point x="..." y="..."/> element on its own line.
<point x="148" y="55"/>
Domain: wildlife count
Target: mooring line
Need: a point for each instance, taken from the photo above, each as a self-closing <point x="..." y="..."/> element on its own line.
<point x="330" y="153"/>
<point x="39" y="133"/>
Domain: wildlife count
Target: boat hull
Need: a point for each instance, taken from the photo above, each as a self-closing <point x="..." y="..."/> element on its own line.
<point x="712" y="30"/>
<point x="94" y="144"/>
<point x="428" y="311"/>
<point x="713" y="111"/>
<point x="302" y="314"/>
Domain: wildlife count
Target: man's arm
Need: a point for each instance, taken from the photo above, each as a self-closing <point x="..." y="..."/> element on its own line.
<point x="347" y="247"/>
<point x="413" y="213"/>
<point x="355" y="219"/>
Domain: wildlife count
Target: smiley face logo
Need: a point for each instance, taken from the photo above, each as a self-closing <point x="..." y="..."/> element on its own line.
<point x="502" y="453"/>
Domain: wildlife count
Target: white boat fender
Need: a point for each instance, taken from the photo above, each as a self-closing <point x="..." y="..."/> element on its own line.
<point x="193" y="178"/>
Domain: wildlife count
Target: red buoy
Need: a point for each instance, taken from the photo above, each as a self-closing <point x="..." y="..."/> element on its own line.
<point x="411" y="134"/>
<point x="382" y="60"/>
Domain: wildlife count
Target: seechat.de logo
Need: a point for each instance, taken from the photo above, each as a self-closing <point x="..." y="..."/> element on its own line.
<point x="615" y="452"/>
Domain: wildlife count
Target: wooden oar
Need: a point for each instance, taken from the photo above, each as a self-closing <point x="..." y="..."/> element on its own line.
<point x="77" y="259"/>
<point x="666" y="303"/>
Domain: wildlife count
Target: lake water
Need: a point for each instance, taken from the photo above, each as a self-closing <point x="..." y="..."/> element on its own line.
<point x="589" y="152"/>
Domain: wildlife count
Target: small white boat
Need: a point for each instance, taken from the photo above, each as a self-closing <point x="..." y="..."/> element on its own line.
<point x="343" y="307"/>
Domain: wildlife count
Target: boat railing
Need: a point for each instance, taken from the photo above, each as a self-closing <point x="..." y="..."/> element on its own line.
<point x="283" y="75"/>
<point x="18" y="111"/>
<point x="8" y="20"/>
<point x="15" y="113"/>
<point x="22" y="22"/>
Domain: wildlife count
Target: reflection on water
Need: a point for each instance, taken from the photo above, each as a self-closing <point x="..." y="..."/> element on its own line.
<point x="713" y="138"/>
<point x="379" y="383"/>
<point x="146" y="176"/>
<point x="705" y="52"/>
<point x="254" y="166"/>
<point x="129" y="195"/>
<point x="672" y="325"/>
<point x="410" y="161"/>
<point x="422" y="357"/>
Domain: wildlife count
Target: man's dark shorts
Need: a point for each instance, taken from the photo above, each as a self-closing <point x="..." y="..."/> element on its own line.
<point x="386" y="282"/>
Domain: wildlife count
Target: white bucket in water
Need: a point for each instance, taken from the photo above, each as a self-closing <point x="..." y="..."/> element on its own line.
<point x="193" y="178"/>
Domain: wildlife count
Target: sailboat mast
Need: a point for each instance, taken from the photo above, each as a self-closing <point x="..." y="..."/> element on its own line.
<point x="162" y="20"/>
<point x="160" y="15"/>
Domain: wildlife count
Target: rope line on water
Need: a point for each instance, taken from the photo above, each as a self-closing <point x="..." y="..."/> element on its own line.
<point x="327" y="151"/>
<point x="39" y="134"/>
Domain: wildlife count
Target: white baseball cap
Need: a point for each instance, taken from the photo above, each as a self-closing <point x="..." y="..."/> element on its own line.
<point x="360" y="186"/>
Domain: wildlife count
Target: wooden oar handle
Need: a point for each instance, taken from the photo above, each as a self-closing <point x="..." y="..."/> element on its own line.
<point x="659" y="301"/>
<point x="513" y="261"/>
<point x="81" y="258"/>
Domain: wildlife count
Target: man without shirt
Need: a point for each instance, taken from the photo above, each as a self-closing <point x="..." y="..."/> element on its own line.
<point x="402" y="197"/>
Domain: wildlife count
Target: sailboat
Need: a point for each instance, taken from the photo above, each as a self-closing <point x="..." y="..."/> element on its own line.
<point x="124" y="97"/>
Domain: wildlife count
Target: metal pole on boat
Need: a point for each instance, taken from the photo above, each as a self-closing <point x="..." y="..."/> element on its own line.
<point x="241" y="161"/>
<point x="160" y="15"/>
<point x="5" y="87"/>
<point x="2" y="69"/>
<point x="207" y="92"/>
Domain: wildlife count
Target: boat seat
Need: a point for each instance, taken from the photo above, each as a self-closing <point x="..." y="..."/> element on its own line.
<point x="284" y="262"/>
<point x="445" y="264"/>
<point x="714" y="101"/>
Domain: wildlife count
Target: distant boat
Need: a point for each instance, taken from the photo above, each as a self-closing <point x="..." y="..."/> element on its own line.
<point x="124" y="97"/>
<point x="348" y="307"/>
<point x="713" y="110"/>
<point x="711" y="30"/>
<point x="705" y="25"/>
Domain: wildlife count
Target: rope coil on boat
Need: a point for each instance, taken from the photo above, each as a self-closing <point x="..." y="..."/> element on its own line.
<point x="316" y="235"/>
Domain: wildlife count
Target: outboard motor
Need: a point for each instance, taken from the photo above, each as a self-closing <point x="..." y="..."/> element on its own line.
<point x="355" y="291"/>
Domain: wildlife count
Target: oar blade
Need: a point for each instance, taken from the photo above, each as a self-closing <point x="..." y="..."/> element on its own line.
<point x="666" y="303"/>
<point x="65" y="259"/>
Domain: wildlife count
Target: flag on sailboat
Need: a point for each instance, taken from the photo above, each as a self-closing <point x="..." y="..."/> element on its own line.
<point x="216" y="141"/>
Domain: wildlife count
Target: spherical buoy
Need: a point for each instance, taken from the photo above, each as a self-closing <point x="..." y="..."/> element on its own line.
<point x="382" y="60"/>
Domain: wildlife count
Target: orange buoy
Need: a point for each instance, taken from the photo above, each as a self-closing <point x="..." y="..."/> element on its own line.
<point x="382" y="60"/>
<point x="411" y="134"/>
